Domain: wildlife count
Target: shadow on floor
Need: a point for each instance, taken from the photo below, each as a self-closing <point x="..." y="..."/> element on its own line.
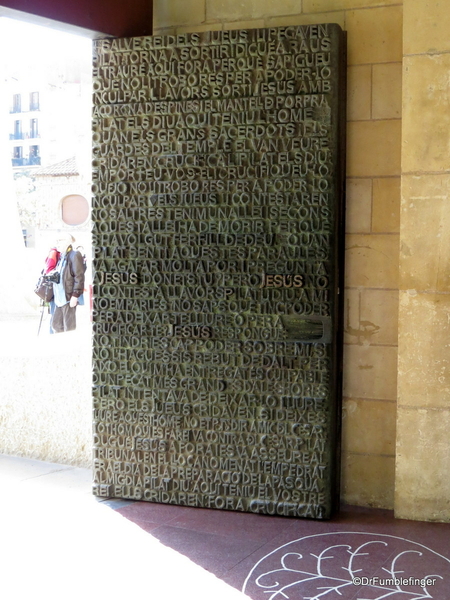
<point x="277" y="557"/>
<point x="58" y="541"/>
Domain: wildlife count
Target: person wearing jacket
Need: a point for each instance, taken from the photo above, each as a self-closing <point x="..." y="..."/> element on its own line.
<point x="68" y="293"/>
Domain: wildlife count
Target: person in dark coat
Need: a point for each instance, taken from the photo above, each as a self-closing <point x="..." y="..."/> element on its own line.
<point x="68" y="293"/>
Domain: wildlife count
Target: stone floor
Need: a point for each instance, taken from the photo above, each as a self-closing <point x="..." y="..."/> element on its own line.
<point x="59" y="542"/>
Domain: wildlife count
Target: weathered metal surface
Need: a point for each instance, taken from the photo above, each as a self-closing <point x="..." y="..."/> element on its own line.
<point x="218" y="176"/>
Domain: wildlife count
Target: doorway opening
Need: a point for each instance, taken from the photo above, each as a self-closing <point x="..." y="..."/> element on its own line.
<point x="45" y="157"/>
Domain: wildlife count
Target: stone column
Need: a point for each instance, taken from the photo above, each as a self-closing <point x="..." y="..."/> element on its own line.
<point x="423" y="419"/>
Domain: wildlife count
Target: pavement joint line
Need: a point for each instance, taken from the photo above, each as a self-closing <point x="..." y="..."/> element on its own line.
<point x="68" y="468"/>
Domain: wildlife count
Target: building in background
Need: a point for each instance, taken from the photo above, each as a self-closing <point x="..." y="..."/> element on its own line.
<point x="47" y="84"/>
<point x="25" y="121"/>
<point x="61" y="200"/>
<point x="49" y="106"/>
<point x="45" y="139"/>
<point x="40" y="131"/>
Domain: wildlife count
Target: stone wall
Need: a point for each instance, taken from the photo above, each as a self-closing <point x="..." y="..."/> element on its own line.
<point x="423" y="417"/>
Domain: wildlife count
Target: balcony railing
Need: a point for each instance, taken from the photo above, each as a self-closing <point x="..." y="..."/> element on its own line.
<point x="32" y="135"/>
<point x="18" y="109"/>
<point x="26" y="162"/>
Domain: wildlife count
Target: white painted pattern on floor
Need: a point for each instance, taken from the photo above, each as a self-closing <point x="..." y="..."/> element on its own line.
<point x="350" y="566"/>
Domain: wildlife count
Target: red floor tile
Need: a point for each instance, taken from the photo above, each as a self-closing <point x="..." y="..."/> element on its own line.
<point x="273" y="558"/>
<point x="349" y="565"/>
<point x="152" y="512"/>
<point x="237" y="525"/>
<point x="215" y="553"/>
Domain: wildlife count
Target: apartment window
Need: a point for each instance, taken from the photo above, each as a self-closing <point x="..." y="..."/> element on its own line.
<point x="34" y="132"/>
<point x="34" y="158"/>
<point x="34" y="101"/>
<point x="17" y="130"/>
<point x="17" y="103"/>
<point x="17" y="159"/>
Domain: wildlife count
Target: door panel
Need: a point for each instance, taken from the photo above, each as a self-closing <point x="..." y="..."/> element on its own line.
<point x="218" y="183"/>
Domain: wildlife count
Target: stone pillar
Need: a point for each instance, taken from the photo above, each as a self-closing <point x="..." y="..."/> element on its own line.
<point x="423" y="418"/>
<point x="371" y="259"/>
